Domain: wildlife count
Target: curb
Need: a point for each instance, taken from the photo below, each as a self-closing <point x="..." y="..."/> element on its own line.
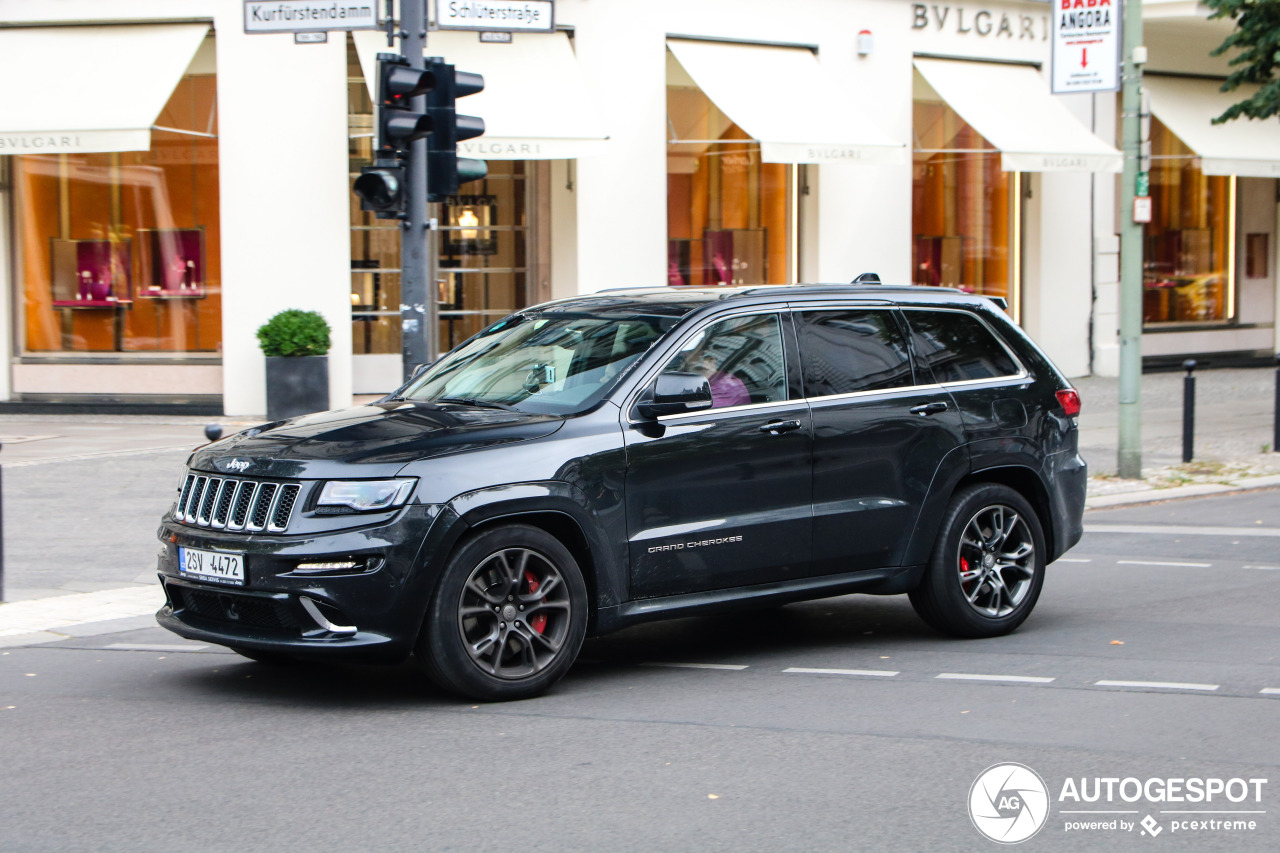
<point x="1195" y="490"/>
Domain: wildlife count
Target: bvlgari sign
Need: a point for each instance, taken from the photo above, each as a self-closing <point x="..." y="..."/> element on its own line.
<point x="1086" y="46"/>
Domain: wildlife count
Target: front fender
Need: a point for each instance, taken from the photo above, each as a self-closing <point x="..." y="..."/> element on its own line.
<point x="606" y="571"/>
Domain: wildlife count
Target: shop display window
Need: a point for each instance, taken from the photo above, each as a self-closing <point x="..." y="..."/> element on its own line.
<point x="1190" y="249"/>
<point x="728" y="213"/>
<point x="117" y="253"/>
<point x="964" y="208"/>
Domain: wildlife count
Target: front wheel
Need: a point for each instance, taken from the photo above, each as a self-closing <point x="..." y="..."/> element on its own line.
<point x="508" y="617"/>
<point x="987" y="565"/>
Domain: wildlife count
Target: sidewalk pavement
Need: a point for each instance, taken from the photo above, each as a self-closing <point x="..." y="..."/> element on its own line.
<point x="83" y="493"/>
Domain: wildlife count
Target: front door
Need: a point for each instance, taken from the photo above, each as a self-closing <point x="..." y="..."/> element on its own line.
<point x="720" y="498"/>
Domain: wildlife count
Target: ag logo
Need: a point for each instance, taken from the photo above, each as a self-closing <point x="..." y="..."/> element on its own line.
<point x="1008" y="803"/>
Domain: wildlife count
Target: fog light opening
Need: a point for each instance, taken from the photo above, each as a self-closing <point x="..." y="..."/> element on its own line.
<point x="313" y="610"/>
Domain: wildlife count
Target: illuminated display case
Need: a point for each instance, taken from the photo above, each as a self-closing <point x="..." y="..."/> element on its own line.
<point x="171" y="263"/>
<point x="91" y="273"/>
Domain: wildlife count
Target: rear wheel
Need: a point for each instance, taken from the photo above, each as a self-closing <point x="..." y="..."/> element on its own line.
<point x="987" y="566"/>
<point x="508" y="617"/>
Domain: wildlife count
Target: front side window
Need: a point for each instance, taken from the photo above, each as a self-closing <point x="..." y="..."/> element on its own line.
<point x="741" y="357"/>
<point x="958" y="347"/>
<point x="547" y="362"/>
<point x="848" y="351"/>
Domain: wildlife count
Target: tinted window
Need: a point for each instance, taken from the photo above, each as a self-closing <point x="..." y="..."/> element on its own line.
<point x="958" y="346"/>
<point x="846" y="351"/>
<point x="741" y="358"/>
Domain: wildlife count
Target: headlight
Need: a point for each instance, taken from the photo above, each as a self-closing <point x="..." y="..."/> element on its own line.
<point x="365" y="495"/>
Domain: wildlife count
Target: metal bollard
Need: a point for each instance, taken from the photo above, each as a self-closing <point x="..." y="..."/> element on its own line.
<point x="1" y="532"/>
<point x="213" y="432"/>
<point x="1188" y="410"/>
<point x="1275" y="439"/>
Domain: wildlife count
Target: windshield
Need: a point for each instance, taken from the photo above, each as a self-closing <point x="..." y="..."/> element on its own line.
<point x="546" y="363"/>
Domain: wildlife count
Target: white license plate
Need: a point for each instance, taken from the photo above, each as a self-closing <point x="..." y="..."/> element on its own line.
<point x="216" y="566"/>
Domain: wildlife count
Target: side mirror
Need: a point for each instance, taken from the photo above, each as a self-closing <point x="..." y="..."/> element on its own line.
<point x="676" y="393"/>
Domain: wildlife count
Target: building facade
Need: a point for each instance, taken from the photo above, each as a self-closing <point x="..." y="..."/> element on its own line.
<point x="163" y="207"/>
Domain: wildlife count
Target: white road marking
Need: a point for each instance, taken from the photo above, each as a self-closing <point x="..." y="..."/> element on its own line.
<point x="1168" y="685"/>
<point x="1154" y="563"/>
<point x="1270" y="691"/>
<point x="1073" y="560"/>
<point x="730" y="666"/>
<point x="1027" y="679"/>
<point x="153" y="647"/>
<point x="806" y="670"/>
<point x="1264" y="568"/>
<point x="1179" y="530"/>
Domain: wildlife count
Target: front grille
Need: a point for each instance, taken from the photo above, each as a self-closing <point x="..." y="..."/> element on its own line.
<point x="239" y="609"/>
<point x="233" y="504"/>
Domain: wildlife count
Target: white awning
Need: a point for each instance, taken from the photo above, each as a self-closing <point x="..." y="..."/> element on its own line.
<point x="1012" y="108"/>
<point x="535" y="103"/>
<point x="1242" y="147"/>
<point x="784" y="100"/>
<point x="89" y="88"/>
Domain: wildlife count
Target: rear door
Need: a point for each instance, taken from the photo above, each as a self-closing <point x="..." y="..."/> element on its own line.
<point x="880" y="433"/>
<point x="720" y="498"/>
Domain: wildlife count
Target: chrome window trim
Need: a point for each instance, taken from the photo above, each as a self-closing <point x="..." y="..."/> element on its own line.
<point x="745" y="407"/>
<point x="903" y="390"/>
<point x="1022" y="375"/>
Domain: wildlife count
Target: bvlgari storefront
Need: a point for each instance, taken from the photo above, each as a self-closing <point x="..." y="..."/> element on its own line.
<point x="198" y="181"/>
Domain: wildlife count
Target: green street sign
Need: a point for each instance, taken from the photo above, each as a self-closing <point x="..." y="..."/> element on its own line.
<point x="1143" y="184"/>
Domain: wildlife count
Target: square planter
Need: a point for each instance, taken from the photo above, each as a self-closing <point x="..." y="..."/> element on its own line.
<point x="297" y="385"/>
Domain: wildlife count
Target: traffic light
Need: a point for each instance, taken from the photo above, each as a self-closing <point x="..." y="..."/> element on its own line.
<point x="381" y="187"/>
<point x="445" y="169"/>
<point x="398" y="123"/>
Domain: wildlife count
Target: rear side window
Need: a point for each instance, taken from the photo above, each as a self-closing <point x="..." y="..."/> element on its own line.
<point x="852" y="350"/>
<point x="958" y="347"/>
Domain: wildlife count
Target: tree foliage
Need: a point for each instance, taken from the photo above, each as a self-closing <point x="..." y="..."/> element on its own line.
<point x="1257" y="38"/>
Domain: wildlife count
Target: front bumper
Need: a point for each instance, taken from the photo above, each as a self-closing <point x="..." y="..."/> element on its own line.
<point x="371" y="614"/>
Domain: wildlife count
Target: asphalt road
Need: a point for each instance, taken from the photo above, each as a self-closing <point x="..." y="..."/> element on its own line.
<point x="1147" y="657"/>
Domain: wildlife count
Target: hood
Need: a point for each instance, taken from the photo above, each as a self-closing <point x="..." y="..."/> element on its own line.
<point x="383" y="436"/>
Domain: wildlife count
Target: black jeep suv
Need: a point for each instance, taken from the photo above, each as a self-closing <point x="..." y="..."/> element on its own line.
<point x="595" y="462"/>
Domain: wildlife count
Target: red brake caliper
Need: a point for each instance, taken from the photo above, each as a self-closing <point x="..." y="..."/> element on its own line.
<point x="964" y="569"/>
<point x="539" y="620"/>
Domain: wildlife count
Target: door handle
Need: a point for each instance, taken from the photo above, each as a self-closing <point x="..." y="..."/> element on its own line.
<point x="928" y="409"/>
<point x="779" y="427"/>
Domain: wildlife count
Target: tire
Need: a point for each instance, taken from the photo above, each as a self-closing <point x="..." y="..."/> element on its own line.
<point x="268" y="658"/>
<point x="987" y="566"/>
<point x="508" y="617"/>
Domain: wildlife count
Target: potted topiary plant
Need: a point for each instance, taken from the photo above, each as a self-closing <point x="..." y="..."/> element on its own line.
<point x="296" y="344"/>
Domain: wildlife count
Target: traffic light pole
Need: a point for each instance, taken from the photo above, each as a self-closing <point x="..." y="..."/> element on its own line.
<point x="1129" y="459"/>
<point x="419" y="324"/>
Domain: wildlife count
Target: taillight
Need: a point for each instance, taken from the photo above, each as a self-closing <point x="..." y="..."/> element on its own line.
<point x="1069" y="399"/>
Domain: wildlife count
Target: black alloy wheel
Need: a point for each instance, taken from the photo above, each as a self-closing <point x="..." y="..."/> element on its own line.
<point x="508" y="617"/>
<point x="987" y="566"/>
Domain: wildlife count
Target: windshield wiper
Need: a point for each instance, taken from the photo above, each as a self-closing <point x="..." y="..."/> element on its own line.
<point x="471" y="401"/>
